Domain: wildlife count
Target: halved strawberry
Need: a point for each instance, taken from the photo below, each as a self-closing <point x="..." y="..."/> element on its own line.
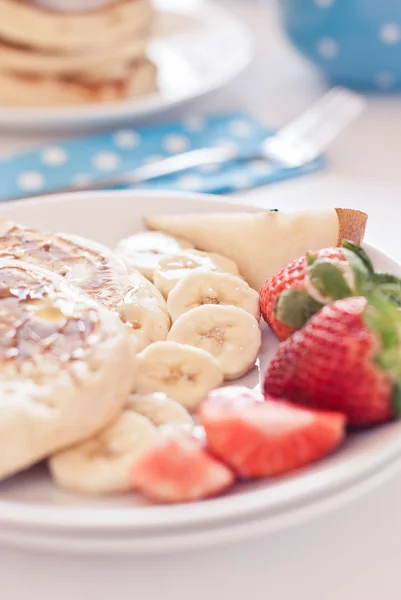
<point x="304" y="286"/>
<point x="177" y="468"/>
<point x="346" y="358"/>
<point x="263" y="438"/>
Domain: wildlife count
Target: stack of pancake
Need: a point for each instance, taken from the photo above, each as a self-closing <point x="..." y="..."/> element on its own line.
<point x="50" y="58"/>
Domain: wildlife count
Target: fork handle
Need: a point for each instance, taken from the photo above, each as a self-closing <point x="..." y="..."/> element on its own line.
<point x="169" y="166"/>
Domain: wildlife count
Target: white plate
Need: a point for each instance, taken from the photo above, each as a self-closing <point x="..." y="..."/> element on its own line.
<point x="201" y="47"/>
<point x="33" y="512"/>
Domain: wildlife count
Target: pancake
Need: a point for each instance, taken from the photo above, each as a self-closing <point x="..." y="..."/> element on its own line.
<point x="67" y="365"/>
<point x="97" y="271"/>
<point x="26" y="24"/>
<point x="93" y="62"/>
<point x="18" y="89"/>
<point x="88" y="265"/>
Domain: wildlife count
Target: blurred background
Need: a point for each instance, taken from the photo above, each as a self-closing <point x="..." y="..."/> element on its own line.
<point x="282" y="80"/>
<point x="301" y="49"/>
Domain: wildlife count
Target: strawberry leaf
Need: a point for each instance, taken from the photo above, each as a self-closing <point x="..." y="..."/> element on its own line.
<point x="360" y="253"/>
<point x="361" y="272"/>
<point x="384" y="319"/>
<point x="310" y="259"/>
<point x="295" y="307"/>
<point x="380" y="278"/>
<point x="397" y="399"/>
<point x="388" y="286"/>
<point x="327" y="278"/>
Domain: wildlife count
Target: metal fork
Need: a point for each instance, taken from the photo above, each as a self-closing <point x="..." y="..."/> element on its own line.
<point x="297" y="144"/>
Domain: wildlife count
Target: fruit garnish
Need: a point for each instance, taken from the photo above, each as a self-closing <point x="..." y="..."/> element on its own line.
<point x="358" y="259"/>
<point x="260" y="437"/>
<point x="294" y="308"/>
<point x="177" y="468"/>
<point x="301" y="288"/>
<point x="388" y="286"/>
<point x="328" y="282"/>
<point x="260" y="243"/>
<point x="384" y="320"/>
<point x="282" y="304"/>
<point x="347" y="358"/>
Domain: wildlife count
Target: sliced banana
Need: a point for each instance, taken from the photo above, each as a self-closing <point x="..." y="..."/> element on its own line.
<point x="209" y="287"/>
<point x="184" y="373"/>
<point x="228" y="333"/>
<point x="143" y="289"/>
<point x="143" y="251"/>
<point x="145" y="309"/>
<point x="171" y="269"/>
<point x="160" y="409"/>
<point x="102" y="464"/>
<point x="148" y="321"/>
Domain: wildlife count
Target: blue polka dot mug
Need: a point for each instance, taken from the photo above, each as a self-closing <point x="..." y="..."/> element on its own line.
<point x="356" y="43"/>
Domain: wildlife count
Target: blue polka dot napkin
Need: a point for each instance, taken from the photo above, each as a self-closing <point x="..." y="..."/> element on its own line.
<point x="90" y="158"/>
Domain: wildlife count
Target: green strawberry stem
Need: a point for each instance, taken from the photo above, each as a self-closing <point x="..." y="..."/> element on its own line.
<point x="362" y="270"/>
<point x="328" y="279"/>
<point x="384" y="319"/>
<point x="295" y="307"/>
<point x="388" y="286"/>
<point x="358" y="252"/>
<point x="397" y="399"/>
<point x="310" y="260"/>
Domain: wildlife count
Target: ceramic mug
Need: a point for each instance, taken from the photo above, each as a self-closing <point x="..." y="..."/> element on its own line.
<point x="356" y="43"/>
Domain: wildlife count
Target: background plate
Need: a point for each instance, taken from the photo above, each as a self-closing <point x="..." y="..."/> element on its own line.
<point x="34" y="512"/>
<point x="201" y="47"/>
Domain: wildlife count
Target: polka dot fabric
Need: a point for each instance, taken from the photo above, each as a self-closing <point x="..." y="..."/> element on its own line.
<point x="356" y="43"/>
<point x="88" y="159"/>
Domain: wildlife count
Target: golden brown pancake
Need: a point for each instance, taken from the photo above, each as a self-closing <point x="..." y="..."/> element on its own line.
<point x="27" y="24"/>
<point x="30" y="90"/>
<point x="95" y="63"/>
<point x="55" y="58"/>
<point x="67" y="365"/>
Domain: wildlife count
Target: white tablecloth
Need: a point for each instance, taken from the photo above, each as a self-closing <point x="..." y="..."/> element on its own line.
<point x="351" y="554"/>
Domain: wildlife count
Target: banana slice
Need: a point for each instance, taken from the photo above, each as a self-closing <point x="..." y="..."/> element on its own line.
<point x="145" y="310"/>
<point x="184" y="373"/>
<point x="161" y="410"/>
<point x="143" y="251"/>
<point x="148" y="321"/>
<point x="172" y="269"/>
<point x="143" y="289"/>
<point x="228" y="333"/>
<point x="102" y="464"/>
<point x="209" y="287"/>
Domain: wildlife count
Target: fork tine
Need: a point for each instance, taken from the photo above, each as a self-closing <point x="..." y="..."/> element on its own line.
<point x="338" y="106"/>
<point x="332" y="123"/>
<point x="308" y="119"/>
<point x="305" y="138"/>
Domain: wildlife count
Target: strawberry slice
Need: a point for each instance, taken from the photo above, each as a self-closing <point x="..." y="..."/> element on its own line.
<point x="263" y="438"/>
<point x="177" y="468"/>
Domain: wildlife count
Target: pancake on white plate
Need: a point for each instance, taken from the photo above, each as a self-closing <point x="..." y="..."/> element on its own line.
<point x="67" y="365"/>
<point x="96" y="270"/>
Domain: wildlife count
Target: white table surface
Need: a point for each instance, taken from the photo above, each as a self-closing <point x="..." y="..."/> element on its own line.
<point x="351" y="554"/>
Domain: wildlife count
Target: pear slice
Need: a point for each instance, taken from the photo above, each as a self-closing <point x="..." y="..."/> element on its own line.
<point x="260" y="243"/>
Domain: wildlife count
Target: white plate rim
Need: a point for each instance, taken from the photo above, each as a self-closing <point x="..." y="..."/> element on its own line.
<point x="59" y="116"/>
<point x="183" y="539"/>
<point x="211" y="511"/>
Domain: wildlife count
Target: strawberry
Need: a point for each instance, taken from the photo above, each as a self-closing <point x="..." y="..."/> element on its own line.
<point x="301" y="288"/>
<point x="177" y="468"/>
<point x="346" y="358"/>
<point x="260" y="437"/>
